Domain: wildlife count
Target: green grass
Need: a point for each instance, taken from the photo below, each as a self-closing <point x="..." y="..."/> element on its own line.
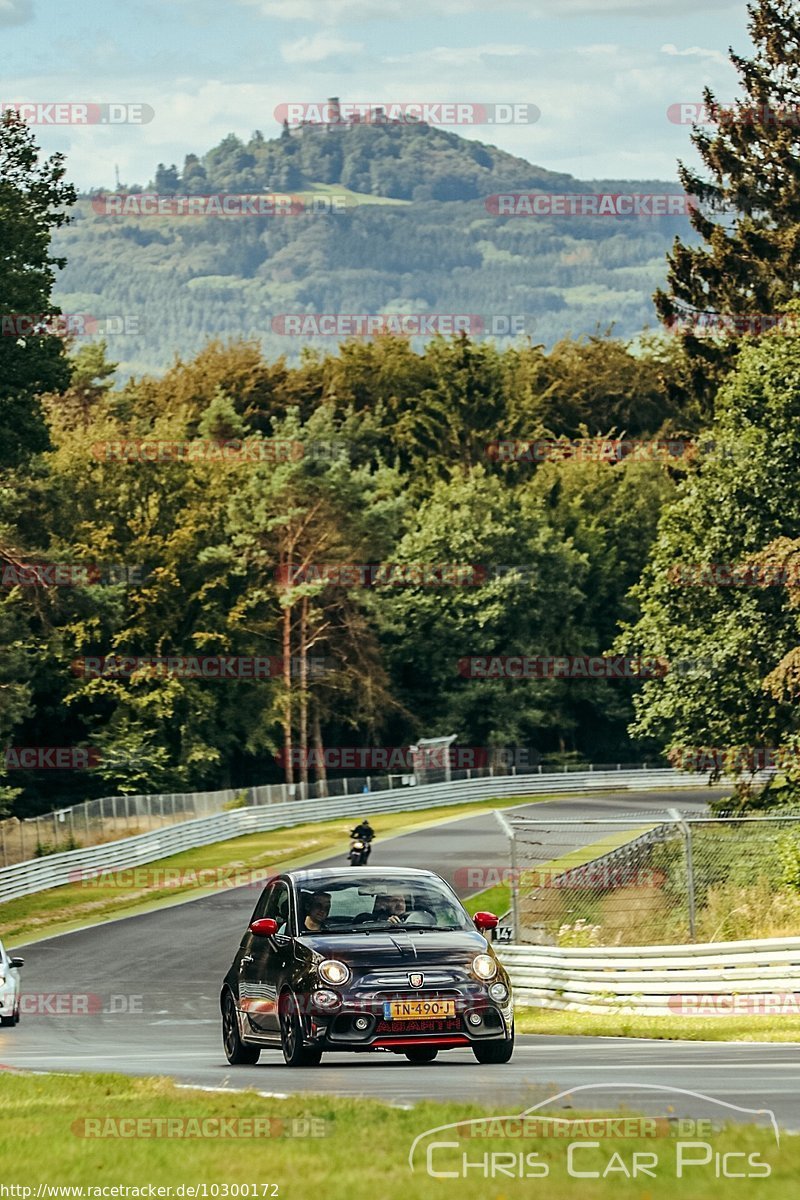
<point x="75" y="905"/>
<point x="496" y="900"/>
<point x="362" y="1153"/>
<point x="633" y="1025"/>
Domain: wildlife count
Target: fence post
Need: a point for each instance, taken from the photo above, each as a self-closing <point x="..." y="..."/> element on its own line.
<point x="5" y="855"/>
<point x="514" y="888"/>
<point x="687" y="841"/>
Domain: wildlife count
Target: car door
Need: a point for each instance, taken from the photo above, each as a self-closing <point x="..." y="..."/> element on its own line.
<point x="265" y="960"/>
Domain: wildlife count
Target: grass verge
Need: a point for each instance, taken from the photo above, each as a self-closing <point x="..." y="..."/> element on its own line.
<point x="633" y="1025"/>
<point x="44" y="1121"/>
<point x="207" y="869"/>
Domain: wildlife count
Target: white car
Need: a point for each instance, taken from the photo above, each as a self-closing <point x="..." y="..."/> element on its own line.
<point x="9" y="987"/>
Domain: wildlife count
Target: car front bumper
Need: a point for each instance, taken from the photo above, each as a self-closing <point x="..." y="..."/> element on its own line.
<point x="362" y="1022"/>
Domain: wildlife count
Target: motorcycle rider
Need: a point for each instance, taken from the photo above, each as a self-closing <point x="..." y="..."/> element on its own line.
<point x="365" y="833"/>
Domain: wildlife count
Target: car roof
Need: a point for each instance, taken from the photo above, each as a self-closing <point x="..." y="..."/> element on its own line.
<point x="313" y="875"/>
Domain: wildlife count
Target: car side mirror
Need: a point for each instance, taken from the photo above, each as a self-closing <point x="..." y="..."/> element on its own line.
<point x="485" y="920"/>
<point x="264" y="927"/>
<point x="17" y="962"/>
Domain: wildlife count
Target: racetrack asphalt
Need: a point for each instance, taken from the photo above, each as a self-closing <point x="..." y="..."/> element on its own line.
<point x="151" y="984"/>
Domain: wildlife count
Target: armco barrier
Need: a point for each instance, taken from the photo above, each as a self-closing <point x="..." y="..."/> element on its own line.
<point x="723" y="979"/>
<point x="39" y="874"/>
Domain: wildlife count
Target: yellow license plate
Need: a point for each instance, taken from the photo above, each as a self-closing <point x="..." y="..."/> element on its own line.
<point x="418" y="1010"/>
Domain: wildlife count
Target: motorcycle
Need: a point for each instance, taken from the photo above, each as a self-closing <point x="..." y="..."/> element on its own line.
<point x="359" y="852"/>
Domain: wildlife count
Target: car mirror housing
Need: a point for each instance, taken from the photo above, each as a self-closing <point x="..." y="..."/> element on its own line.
<point x="485" y="920"/>
<point x="17" y="962"/>
<point x="264" y="927"/>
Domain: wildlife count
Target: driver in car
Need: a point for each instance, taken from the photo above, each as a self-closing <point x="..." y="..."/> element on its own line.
<point x="391" y="908"/>
<point x="317" y="911"/>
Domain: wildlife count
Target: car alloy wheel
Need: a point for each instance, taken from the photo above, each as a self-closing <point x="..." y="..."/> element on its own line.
<point x="295" y="1054"/>
<point x="237" y="1052"/>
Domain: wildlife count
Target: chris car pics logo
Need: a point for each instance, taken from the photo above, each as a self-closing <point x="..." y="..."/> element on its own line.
<point x="671" y="1146"/>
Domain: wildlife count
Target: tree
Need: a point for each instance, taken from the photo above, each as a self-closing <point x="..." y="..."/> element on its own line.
<point x="745" y="496"/>
<point x="33" y="202"/>
<point x="609" y="512"/>
<point x="167" y="180"/>
<point x="478" y="522"/>
<point x="749" y="262"/>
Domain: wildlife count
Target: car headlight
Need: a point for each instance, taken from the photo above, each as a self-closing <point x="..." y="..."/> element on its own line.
<point x="484" y="966"/>
<point x="498" y="991"/>
<point x="333" y="971"/>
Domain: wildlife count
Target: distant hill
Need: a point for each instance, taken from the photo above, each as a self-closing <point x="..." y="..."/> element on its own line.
<point x="413" y="235"/>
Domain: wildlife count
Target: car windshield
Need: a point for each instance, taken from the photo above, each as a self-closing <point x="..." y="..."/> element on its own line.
<point x="356" y="905"/>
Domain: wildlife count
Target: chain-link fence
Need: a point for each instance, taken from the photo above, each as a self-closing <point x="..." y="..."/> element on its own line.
<point x="654" y="879"/>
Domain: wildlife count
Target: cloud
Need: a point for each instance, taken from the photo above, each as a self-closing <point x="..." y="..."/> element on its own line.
<point x="463" y="56"/>
<point x="694" y="52"/>
<point x="15" y="12"/>
<point x="318" y="48"/>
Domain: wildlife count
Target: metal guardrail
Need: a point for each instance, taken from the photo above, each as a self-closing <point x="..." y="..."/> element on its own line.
<point x="40" y="874"/>
<point x="730" y="979"/>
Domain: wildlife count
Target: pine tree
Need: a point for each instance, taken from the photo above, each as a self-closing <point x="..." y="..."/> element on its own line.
<point x="749" y="264"/>
<point x="34" y="200"/>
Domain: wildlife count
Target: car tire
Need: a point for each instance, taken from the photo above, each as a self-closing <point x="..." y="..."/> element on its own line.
<point x="497" y="1051"/>
<point x="295" y="1054"/>
<point x="237" y="1052"/>
<point x="421" y="1054"/>
<point x="6" y="1021"/>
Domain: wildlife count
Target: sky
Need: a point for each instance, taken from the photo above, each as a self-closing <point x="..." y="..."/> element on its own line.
<point x="603" y="73"/>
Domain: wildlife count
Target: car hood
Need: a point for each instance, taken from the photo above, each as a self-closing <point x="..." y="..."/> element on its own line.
<point x="400" y="947"/>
